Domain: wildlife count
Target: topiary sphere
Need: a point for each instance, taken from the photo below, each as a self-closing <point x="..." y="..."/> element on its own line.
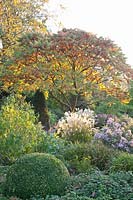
<point x="36" y="174"/>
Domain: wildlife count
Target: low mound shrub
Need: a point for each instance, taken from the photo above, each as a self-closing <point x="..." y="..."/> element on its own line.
<point x="3" y="172"/>
<point x="81" y="157"/>
<point x="124" y="162"/>
<point x="36" y="174"/>
<point x="123" y="176"/>
<point x="101" y="187"/>
<point x="98" y="186"/>
<point x="69" y="196"/>
<point x="101" y="155"/>
<point x="76" y="158"/>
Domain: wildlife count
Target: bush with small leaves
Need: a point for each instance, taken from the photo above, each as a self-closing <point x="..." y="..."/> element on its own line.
<point x="123" y="176"/>
<point x="69" y="196"/>
<point x="124" y="162"/>
<point x="3" y="172"/>
<point x="36" y="174"/>
<point x="19" y="129"/>
<point x="101" y="155"/>
<point x="50" y="144"/>
<point x="76" y="157"/>
<point x="101" y="187"/>
<point x="3" y="198"/>
<point x="82" y="157"/>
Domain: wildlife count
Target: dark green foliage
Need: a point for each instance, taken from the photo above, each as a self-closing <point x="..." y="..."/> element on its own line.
<point x="36" y="174"/>
<point x="55" y="107"/>
<point x="3" y="198"/>
<point x="41" y="109"/>
<point x="81" y="157"/>
<point x="4" y="160"/>
<point x="69" y="196"/>
<point x="100" y="186"/>
<point x="101" y="155"/>
<point x="111" y="106"/>
<point x="74" y="196"/>
<point x="1" y="188"/>
<point x="3" y="169"/>
<point x="76" y="157"/>
<point x="3" y="172"/>
<point x="123" y="176"/>
<point x="124" y="162"/>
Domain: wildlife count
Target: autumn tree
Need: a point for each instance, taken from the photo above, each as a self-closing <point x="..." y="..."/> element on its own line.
<point x="19" y="16"/>
<point x="83" y="64"/>
<point x="26" y="72"/>
<point x="71" y="65"/>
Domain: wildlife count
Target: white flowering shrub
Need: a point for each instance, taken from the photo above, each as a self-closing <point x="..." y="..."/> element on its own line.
<point x="76" y="126"/>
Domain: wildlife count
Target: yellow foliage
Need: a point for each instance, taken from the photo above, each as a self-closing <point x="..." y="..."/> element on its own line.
<point x="14" y="21"/>
<point x="46" y="94"/>
<point x="102" y="86"/>
<point x="125" y="101"/>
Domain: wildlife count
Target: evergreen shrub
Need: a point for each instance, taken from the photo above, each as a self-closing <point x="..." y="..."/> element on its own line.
<point x="36" y="174"/>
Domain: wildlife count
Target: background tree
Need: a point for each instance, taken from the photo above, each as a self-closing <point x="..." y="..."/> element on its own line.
<point x="71" y="65"/>
<point x="83" y="64"/>
<point x="26" y="72"/>
<point x="17" y="17"/>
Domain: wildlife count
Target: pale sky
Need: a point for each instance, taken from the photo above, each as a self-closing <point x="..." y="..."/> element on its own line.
<point x="107" y="18"/>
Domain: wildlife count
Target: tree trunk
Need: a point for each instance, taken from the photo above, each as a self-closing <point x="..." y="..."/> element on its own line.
<point x="39" y="103"/>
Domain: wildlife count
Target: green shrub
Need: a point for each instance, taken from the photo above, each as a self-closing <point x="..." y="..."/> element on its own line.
<point x="124" y="162"/>
<point x="80" y="157"/>
<point x="69" y="196"/>
<point x="19" y="130"/>
<point x="3" y="198"/>
<point x="36" y="174"/>
<point x="53" y="118"/>
<point x="73" y="196"/>
<point x="101" y="155"/>
<point x="124" y="176"/>
<point x="50" y="144"/>
<point x="1" y="188"/>
<point x="3" y="172"/>
<point x="80" y="166"/>
<point x="115" y="186"/>
<point x="101" y="187"/>
<point x="76" y="157"/>
<point x="3" y="169"/>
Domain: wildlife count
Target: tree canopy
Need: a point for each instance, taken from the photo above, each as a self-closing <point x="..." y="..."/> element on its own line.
<point x="69" y="63"/>
<point x="84" y="63"/>
<point x="19" y="16"/>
